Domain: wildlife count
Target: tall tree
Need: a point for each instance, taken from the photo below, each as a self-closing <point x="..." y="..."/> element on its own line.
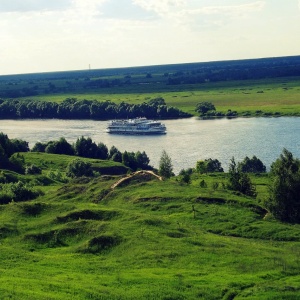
<point x="102" y="151"/>
<point x="165" y="165"/>
<point x="239" y="181"/>
<point x="284" y="200"/>
<point x="85" y="147"/>
<point x="142" y="160"/>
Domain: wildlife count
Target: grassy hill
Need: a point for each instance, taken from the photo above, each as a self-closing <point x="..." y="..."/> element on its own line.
<point x="145" y="239"/>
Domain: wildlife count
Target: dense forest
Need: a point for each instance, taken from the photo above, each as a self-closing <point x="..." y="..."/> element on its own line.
<point x="71" y="108"/>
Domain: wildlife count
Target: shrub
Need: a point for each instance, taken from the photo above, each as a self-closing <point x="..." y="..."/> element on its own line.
<point x="79" y="168"/>
<point x="203" y="184"/>
<point x="33" y="169"/>
<point x="239" y="181"/>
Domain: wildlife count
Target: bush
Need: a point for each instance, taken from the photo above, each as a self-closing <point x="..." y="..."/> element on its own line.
<point x="23" y="193"/>
<point x="239" y="181"/>
<point x="203" y="184"/>
<point x="208" y="166"/>
<point x="252" y="165"/>
<point x="33" y="169"/>
<point x="79" y="168"/>
<point x="16" y="192"/>
<point x="5" y="199"/>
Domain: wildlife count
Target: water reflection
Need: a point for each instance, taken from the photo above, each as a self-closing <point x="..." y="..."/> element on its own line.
<point x="186" y="141"/>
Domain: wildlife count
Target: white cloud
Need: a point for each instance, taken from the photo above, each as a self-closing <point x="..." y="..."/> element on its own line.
<point x="33" y="5"/>
<point x="177" y="8"/>
<point x="43" y="35"/>
<point x="232" y="10"/>
<point x="161" y="7"/>
<point x="124" y="9"/>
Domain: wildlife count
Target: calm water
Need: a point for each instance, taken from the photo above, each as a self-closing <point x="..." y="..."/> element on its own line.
<point x="187" y="140"/>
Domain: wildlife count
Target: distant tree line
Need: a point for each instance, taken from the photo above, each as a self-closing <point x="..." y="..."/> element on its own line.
<point x="83" y="147"/>
<point x="72" y="108"/>
<point x="237" y="71"/>
<point x="26" y="85"/>
<point x="207" y="109"/>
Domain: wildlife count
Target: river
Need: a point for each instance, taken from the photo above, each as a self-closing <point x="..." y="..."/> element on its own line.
<point x="186" y="141"/>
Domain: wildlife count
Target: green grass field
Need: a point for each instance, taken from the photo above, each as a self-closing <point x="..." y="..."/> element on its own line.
<point x="271" y="96"/>
<point x="144" y="240"/>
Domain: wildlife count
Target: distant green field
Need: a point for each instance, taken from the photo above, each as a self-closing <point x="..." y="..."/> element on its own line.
<point x="147" y="239"/>
<point x="270" y="96"/>
<point x="270" y="85"/>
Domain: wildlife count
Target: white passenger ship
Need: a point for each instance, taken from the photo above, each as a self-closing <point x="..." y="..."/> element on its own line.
<point x="136" y="126"/>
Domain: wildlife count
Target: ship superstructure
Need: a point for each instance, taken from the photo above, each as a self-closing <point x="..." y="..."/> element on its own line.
<point x="136" y="126"/>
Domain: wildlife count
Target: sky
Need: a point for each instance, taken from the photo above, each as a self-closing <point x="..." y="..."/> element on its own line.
<point x="60" y="35"/>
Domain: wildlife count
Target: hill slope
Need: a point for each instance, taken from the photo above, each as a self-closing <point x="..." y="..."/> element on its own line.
<point x="146" y="239"/>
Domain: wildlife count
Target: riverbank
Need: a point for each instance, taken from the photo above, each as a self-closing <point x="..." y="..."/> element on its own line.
<point x="186" y="141"/>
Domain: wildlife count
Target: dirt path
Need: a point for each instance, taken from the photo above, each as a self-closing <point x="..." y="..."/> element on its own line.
<point x="135" y="174"/>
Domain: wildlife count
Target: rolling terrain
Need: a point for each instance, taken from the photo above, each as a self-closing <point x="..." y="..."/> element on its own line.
<point x="117" y="236"/>
<point x="144" y="239"/>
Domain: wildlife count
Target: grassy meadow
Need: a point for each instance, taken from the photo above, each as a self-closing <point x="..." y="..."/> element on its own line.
<point x="271" y="96"/>
<point x="145" y="239"/>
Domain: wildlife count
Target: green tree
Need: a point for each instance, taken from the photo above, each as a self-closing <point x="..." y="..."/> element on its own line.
<point x="3" y="158"/>
<point x="17" y="162"/>
<point x="208" y="166"/>
<point x="129" y="160"/>
<point x="252" y="165"/>
<point x="201" y="167"/>
<point x="204" y="107"/>
<point x="85" y="147"/>
<point x="19" y="145"/>
<point x="39" y="147"/>
<point x="60" y="147"/>
<point x="117" y="157"/>
<point x="102" y="151"/>
<point x="185" y="178"/>
<point x="165" y="165"/>
<point x="284" y="199"/>
<point x="79" y="168"/>
<point x="12" y="146"/>
<point x="142" y="160"/>
<point x="112" y="151"/>
<point x="239" y="181"/>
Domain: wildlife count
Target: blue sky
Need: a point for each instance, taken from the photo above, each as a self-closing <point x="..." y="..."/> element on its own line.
<point x="57" y="35"/>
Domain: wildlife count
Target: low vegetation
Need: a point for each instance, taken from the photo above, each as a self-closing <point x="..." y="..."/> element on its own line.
<point x="192" y="236"/>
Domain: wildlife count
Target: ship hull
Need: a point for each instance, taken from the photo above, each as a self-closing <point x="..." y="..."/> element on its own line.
<point x="127" y="132"/>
